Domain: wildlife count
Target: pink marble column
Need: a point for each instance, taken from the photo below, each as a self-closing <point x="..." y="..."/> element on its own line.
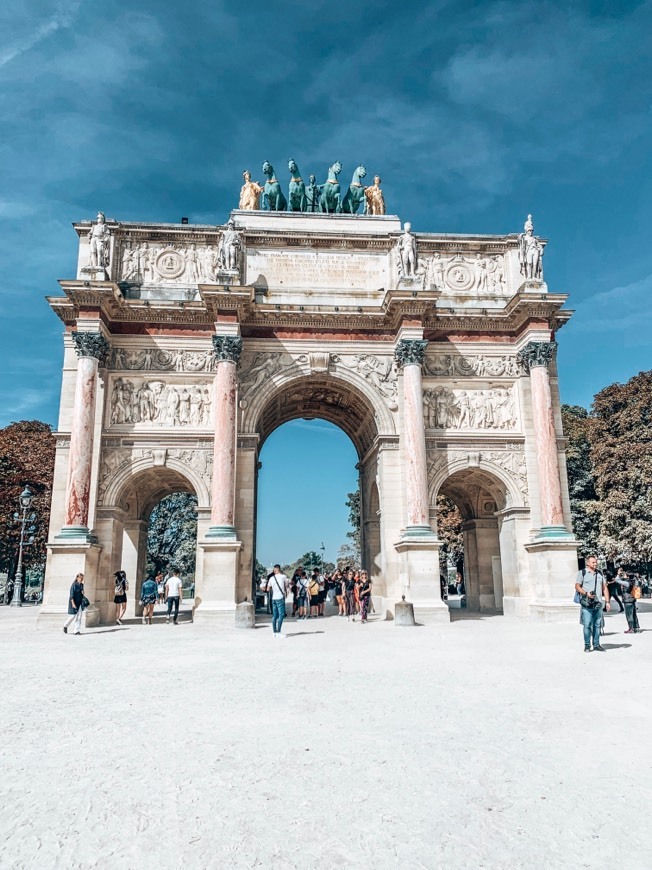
<point x="227" y="351"/>
<point x="409" y="355"/>
<point x="537" y="357"/>
<point x="90" y="347"/>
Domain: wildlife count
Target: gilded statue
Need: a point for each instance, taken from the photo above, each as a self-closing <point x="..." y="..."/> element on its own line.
<point x="250" y="193"/>
<point x="530" y="252"/>
<point x="374" y="199"/>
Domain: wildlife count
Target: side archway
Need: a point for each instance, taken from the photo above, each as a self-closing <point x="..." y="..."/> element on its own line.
<point x="487" y="497"/>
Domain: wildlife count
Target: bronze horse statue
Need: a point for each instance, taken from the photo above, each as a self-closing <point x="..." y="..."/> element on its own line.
<point x="329" y="201"/>
<point x="355" y="194"/>
<point x="297" y="192"/>
<point x="273" y="199"/>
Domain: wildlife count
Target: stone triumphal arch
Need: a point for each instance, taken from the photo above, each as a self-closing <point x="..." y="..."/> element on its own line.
<point x="185" y="346"/>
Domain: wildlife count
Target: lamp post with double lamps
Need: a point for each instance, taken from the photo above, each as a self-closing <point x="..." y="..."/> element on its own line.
<point x="25" y="500"/>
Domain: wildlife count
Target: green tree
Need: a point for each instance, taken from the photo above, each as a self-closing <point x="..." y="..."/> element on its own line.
<point x="172" y="535"/>
<point x="26" y="458"/>
<point x="355" y="521"/>
<point x="585" y="508"/>
<point x="621" y="451"/>
<point x="449" y="530"/>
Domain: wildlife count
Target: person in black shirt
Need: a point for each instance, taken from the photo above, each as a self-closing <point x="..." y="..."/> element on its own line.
<point x="364" y="593"/>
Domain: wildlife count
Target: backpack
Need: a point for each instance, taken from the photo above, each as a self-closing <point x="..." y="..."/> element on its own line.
<point x="635" y="591"/>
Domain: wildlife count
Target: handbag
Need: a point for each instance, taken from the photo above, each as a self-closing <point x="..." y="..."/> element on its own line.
<point x="577" y="598"/>
<point x="85" y="603"/>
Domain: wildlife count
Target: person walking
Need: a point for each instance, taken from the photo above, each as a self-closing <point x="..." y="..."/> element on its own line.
<point x="364" y="594"/>
<point x="314" y="589"/>
<point x="302" y="595"/>
<point x="173" y="592"/>
<point x="148" y="596"/>
<point x="160" y="588"/>
<point x="120" y="596"/>
<point x="339" y="596"/>
<point x="630" y="587"/>
<point x="278" y="586"/>
<point x="591" y="591"/>
<point x="349" y="588"/>
<point x="613" y="586"/>
<point x="75" y="601"/>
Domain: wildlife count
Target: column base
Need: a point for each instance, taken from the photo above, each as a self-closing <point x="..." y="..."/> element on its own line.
<point x="215" y="597"/>
<point x="553" y="569"/>
<point x="411" y="532"/>
<point x="515" y="606"/>
<point x="226" y="533"/>
<point x="419" y="576"/>
<point x="75" y="535"/>
<point x="66" y="559"/>
<point x="558" y="533"/>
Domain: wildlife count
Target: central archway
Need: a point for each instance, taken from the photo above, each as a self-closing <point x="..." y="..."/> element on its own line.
<point x="353" y="408"/>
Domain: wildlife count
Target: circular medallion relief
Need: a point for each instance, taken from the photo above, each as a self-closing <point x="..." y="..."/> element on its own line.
<point x="170" y="263"/>
<point x="459" y="276"/>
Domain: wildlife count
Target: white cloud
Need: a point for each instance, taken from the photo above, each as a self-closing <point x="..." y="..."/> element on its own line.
<point x="624" y="309"/>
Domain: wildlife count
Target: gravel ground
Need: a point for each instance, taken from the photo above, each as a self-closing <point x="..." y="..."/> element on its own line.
<point x="487" y="743"/>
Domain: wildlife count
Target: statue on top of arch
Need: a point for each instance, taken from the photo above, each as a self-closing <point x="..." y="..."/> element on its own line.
<point x="327" y="198"/>
<point x="530" y="252"/>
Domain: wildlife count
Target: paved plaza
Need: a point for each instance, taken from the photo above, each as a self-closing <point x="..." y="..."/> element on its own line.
<point x="486" y="743"/>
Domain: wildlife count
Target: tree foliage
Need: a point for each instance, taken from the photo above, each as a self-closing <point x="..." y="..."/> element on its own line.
<point x="172" y="535"/>
<point x="585" y="508"/>
<point x="449" y="529"/>
<point x="353" y="503"/>
<point x="26" y="459"/>
<point x="309" y="560"/>
<point x="621" y="452"/>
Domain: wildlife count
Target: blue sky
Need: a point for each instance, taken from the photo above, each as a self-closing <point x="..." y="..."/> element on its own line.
<point x="474" y="114"/>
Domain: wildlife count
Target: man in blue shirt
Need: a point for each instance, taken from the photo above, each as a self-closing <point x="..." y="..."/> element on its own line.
<point x="592" y="588"/>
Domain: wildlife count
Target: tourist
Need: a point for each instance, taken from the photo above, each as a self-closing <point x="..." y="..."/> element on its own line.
<point x="294" y="587"/>
<point x="323" y="592"/>
<point x="278" y="586"/>
<point x="349" y="589"/>
<point x="302" y="595"/>
<point x="148" y="596"/>
<point x="613" y="586"/>
<point x="591" y="588"/>
<point x="339" y="596"/>
<point x="459" y="584"/>
<point x="630" y="586"/>
<point x="160" y="588"/>
<point x="314" y="589"/>
<point x="173" y="593"/>
<point x="120" y="596"/>
<point x="364" y="594"/>
<point x="75" y="602"/>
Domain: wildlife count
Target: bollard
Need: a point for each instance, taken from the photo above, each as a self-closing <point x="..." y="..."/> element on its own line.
<point x="245" y="616"/>
<point x="404" y="613"/>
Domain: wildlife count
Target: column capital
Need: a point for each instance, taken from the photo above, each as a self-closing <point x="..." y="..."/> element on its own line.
<point x="537" y="353"/>
<point x="91" y="344"/>
<point x="227" y="348"/>
<point x="410" y="352"/>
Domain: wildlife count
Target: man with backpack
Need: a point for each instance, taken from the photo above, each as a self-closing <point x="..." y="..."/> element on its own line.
<point x="592" y="593"/>
<point x="278" y="586"/>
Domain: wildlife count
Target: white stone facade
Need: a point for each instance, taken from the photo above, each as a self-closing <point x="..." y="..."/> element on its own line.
<point x="202" y="343"/>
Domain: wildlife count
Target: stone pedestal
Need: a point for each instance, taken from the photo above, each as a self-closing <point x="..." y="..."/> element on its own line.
<point x="419" y="577"/>
<point x="404" y="614"/>
<point x="65" y="561"/>
<point x="216" y="601"/>
<point x="553" y="568"/>
<point x="245" y="615"/>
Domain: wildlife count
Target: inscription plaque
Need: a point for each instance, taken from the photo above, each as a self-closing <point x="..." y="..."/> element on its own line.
<point x="316" y="269"/>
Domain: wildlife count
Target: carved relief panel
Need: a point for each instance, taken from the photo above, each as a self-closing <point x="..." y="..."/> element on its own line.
<point x="158" y="403"/>
<point x="495" y="408"/>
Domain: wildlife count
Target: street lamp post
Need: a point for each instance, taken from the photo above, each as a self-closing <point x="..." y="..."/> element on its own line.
<point x="323" y="550"/>
<point x="25" y="500"/>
